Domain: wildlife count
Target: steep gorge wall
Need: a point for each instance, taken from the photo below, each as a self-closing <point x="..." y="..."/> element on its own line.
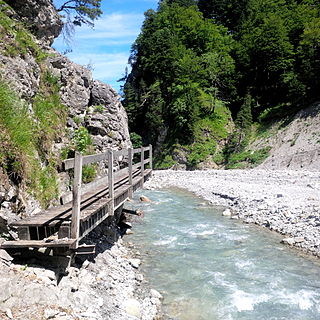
<point x="37" y="77"/>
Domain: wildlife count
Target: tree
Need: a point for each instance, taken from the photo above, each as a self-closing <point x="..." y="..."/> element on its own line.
<point x="81" y="11"/>
<point x="170" y="61"/>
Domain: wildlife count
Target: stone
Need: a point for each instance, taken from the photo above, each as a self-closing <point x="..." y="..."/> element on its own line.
<point x="4" y="255"/>
<point x="85" y="264"/>
<point x="50" y="313"/>
<point x="156" y="294"/>
<point x="132" y="307"/>
<point x="135" y="263"/>
<point x="144" y="199"/>
<point x="139" y="277"/>
<point x="9" y="313"/>
<point x="299" y="239"/>
<point x="289" y="241"/>
<point x="227" y="213"/>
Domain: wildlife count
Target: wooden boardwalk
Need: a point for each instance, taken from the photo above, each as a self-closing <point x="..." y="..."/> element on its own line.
<point x="87" y="205"/>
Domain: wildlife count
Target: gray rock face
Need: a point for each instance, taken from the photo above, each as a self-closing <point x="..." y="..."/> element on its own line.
<point x="41" y="15"/>
<point x="95" y="105"/>
<point x="23" y="74"/>
<point x="76" y="82"/>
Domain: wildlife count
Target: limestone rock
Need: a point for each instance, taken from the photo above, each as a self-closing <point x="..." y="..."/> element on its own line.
<point x="135" y="263"/>
<point x="156" y="294"/>
<point x="41" y="16"/>
<point x="293" y="240"/>
<point x="132" y="307"/>
<point x="4" y="255"/>
<point x="76" y="81"/>
<point x="289" y="241"/>
<point x="227" y="213"/>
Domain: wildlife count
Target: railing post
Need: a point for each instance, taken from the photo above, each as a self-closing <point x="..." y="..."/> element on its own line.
<point x="111" y="180"/>
<point x="150" y="156"/>
<point x="142" y="161"/>
<point x="76" y="202"/>
<point x="130" y="156"/>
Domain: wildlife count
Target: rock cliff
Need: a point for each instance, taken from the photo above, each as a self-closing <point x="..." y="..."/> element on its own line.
<point x="48" y="104"/>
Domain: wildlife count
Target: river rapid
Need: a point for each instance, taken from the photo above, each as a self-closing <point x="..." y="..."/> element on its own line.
<point x="210" y="267"/>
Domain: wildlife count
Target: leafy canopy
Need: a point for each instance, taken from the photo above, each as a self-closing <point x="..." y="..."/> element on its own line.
<point x="178" y="60"/>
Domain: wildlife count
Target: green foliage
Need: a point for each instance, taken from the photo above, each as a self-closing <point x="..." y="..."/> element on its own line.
<point x="23" y="140"/>
<point x="242" y="133"/>
<point x="165" y="162"/>
<point x="50" y="113"/>
<point x="82" y="140"/>
<point x="136" y="140"/>
<point x="20" y="41"/>
<point x="247" y="159"/>
<point x="99" y="108"/>
<point x="89" y="173"/>
<point x="262" y="57"/>
<point x="181" y="64"/>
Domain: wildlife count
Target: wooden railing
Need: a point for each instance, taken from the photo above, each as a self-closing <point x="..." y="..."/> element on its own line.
<point x="110" y="156"/>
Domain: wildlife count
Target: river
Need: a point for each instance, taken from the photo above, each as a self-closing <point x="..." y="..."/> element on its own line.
<point x="211" y="267"/>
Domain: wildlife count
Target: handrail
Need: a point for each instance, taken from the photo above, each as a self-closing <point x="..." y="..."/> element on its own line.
<point x="79" y="161"/>
<point x="92" y="158"/>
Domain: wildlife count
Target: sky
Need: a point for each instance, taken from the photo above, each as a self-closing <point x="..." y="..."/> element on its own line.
<point x="106" y="47"/>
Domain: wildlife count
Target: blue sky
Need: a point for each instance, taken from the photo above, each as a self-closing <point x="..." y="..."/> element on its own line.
<point x="106" y="48"/>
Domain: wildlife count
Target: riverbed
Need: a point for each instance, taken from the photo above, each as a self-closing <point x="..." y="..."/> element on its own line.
<point x="208" y="266"/>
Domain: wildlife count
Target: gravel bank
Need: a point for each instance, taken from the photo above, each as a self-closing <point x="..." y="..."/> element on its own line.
<point x="108" y="287"/>
<point x="284" y="201"/>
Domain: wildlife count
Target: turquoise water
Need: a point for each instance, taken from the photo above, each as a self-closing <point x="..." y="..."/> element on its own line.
<point x="211" y="267"/>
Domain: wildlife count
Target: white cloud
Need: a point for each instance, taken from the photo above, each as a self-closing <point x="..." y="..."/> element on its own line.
<point x="107" y="67"/>
<point x="107" y="46"/>
<point x="113" y="26"/>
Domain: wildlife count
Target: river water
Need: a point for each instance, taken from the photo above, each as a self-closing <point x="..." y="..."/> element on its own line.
<point x="211" y="267"/>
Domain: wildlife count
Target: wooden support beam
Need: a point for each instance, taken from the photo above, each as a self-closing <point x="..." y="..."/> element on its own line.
<point x="23" y="233"/>
<point x="142" y="161"/>
<point x="64" y="230"/>
<point x="130" y="157"/>
<point x="76" y="202"/>
<point x="150" y="156"/>
<point x="111" y="180"/>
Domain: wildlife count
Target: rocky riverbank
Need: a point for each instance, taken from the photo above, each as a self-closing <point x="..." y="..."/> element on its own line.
<point x="283" y="201"/>
<point x="109" y="286"/>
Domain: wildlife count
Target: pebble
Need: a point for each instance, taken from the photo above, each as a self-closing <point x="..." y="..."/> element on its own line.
<point x="135" y="263"/>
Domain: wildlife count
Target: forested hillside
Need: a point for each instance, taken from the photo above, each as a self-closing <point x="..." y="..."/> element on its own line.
<point x="196" y="63"/>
